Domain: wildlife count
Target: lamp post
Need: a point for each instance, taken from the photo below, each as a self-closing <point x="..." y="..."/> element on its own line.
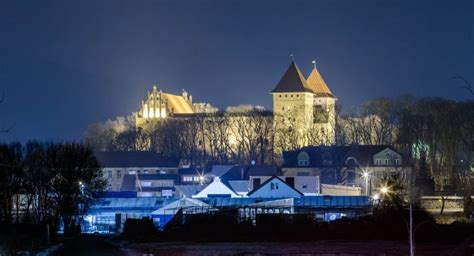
<point x="366" y="179"/>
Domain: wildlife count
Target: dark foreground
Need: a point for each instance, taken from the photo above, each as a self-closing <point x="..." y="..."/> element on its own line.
<point x="89" y="245"/>
<point x="100" y="245"/>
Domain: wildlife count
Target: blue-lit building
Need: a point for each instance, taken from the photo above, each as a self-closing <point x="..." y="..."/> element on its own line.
<point x="108" y="213"/>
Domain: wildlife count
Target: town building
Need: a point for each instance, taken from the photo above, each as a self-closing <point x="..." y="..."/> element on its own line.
<point x="362" y="166"/>
<point x="116" y="164"/>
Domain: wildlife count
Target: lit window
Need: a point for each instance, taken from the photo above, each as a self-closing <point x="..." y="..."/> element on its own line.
<point x="119" y="174"/>
<point x="187" y="178"/>
<point x="196" y="178"/>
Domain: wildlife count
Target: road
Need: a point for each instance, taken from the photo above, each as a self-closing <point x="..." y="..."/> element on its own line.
<point x="92" y="245"/>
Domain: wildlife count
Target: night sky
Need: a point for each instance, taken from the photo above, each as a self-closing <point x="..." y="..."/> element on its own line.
<point x="67" y="64"/>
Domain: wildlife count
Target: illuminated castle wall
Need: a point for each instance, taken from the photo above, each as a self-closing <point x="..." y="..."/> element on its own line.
<point x="162" y="105"/>
<point x="305" y="107"/>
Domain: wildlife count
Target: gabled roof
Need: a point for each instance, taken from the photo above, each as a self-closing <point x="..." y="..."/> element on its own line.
<point x="123" y="159"/>
<point x="239" y="186"/>
<point x="189" y="190"/>
<point x="177" y="104"/>
<point x="217" y="187"/>
<point x="317" y="84"/>
<point x="263" y="185"/>
<point x="292" y="81"/>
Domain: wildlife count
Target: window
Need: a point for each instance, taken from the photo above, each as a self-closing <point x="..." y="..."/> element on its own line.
<point x="145" y="171"/>
<point x="109" y="174"/>
<point x="397" y="161"/>
<point x="256" y="182"/>
<point x="187" y="178"/>
<point x="305" y="186"/>
<point x="196" y="178"/>
<point x="273" y="185"/>
<point x="290" y="181"/>
<point x="303" y="159"/>
<point x="386" y="161"/>
<point x="139" y="172"/>
<point x="119" y="174"/>
<point x="327" y="159"/>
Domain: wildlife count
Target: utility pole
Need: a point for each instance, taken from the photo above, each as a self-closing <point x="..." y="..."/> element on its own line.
<point x="412" y="245"/>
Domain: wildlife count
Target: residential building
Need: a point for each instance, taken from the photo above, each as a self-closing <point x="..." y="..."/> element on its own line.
<point x="116" y="164"/>
<point x="346" y="165"/>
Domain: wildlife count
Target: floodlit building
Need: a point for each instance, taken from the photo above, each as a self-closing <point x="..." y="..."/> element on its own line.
<point x="305" y="106"/>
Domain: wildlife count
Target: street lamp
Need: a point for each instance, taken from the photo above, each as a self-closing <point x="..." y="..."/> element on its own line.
<point x="366" y="175"/>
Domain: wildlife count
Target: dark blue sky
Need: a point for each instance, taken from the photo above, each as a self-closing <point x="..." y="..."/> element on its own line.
<point x="66" y="64"/>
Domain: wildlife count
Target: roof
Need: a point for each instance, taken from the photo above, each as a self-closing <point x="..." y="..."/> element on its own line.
<point x="183" y="203"/>
<point x="268" y="181"/>
<point x="189" y="171"/>
<point x="128" y="204"/>
<point x="333" y="202"/>
<point x="123" y="159"/>
<point x="317" y="84"/>
<point x="177" y="104"/>
<point x="243" y="172"/>
<point x="292" y="81"/>
<point x="239" y="186"/>
<point x="334" y="156"/>
<point x="189" y="190"/>
<point x="129" y="184"/>
<point x="219" y="170"/>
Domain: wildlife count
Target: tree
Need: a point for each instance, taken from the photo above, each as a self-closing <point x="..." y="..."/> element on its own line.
<point x="77" y="176"/>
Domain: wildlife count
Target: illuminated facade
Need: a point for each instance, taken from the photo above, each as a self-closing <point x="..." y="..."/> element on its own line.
<point x="305" y="107"/>
<point x="161" y="105"/>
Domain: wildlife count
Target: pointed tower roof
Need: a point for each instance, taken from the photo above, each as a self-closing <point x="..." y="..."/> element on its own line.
<point x="292" y="81"/>
<point x="317" y="84"/>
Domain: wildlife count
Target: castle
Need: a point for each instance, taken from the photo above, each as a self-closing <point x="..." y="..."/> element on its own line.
<point x="303" y="107"/>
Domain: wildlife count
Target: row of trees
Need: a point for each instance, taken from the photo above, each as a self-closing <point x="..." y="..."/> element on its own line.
<point x="44" y="183"/>
<point x="436" y="133"/>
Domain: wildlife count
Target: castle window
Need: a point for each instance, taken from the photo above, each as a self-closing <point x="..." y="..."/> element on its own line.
<point x="297" y="95"/>
<point x="280" y="96"/>
<point x="292" y="95"/>
<point x="286" y="96"/>
<point x="320" y="115"/>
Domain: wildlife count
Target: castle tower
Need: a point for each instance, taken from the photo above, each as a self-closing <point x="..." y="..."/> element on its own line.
<point x="324" y="109"/>
<point x="304" y="110"/>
